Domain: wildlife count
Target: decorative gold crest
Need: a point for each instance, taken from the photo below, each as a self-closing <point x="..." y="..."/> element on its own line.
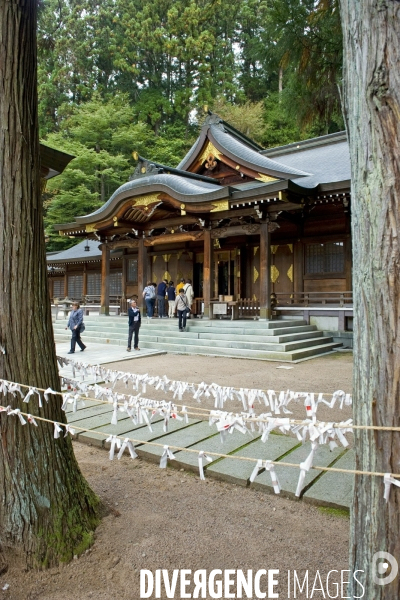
<point x="220" y="205"/>
<point x="210" y="149"/>
<point x="290" y="273"/>
<point x="274" y="273"/>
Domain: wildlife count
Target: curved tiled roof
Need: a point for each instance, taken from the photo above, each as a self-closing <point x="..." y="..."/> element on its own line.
<point x="329" y="163"/>
<point x="77" y="251"/>
<point x="234" y="149"/>
<point x="179" y="187"/>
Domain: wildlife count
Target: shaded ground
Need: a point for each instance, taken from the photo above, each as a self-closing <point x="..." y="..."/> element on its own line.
<point x="168" y="519"/>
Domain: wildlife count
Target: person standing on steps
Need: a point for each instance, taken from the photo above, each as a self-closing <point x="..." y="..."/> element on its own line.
<point x="149" y="296"/>
<point x="134" y="325"/>
<point x="188" y="289"/>
<point x="180" y="285"/>
<point x="171" y="295"/>
<point x="181" y="306"/>
<point x="75" y="323"/>
<point x="161" y="293"/>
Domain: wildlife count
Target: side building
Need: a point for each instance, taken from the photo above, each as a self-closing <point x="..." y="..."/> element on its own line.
<point x="255" y="230"/>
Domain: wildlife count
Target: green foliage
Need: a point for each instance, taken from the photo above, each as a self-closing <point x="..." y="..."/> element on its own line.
<point x="102" y="136"/>
<point x="123" y="75"/>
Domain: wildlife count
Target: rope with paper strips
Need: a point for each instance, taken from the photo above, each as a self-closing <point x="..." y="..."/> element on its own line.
<point x="276" y="401"/>
<point x="269" y="465"/>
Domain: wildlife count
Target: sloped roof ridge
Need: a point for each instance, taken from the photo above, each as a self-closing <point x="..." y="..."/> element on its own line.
<point x="323" y="140"/>
<point x="234" y="149"/>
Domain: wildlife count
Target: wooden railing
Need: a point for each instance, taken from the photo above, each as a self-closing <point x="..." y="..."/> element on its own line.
<point x="247" y="307"/>
<point x="313" y="298"/>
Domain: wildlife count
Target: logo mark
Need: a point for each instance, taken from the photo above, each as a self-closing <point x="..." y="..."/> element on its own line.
<point x="384" y="563"/>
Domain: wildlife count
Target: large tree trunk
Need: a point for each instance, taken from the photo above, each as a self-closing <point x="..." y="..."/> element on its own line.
<point x="47" y="510"/>
<point x="372" y="102"/>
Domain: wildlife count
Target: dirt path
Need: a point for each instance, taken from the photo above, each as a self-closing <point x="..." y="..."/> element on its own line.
<point x="168" y="519"/>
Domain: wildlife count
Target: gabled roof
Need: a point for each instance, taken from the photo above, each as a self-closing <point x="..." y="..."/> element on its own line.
<point x="157" y="192"/>
<point x="235" y="149"/>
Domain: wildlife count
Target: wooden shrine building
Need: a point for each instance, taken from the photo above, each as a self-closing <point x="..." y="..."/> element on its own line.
<point x="257" y="228"/>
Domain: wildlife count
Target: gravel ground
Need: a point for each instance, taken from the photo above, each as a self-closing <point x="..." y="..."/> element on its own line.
<point x="169" y="519"/>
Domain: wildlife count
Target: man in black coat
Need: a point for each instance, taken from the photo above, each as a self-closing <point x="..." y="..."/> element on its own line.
<point x="134" y="325"/>
<point x="161" y="292"/>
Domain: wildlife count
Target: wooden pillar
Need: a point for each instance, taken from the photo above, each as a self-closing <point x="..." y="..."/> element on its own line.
<point x="265" y="271"/>
<point x="66" y="282"/>
<point x="298" y="270"/>
<point x="84" y="282"/>
<point x="208" y="278"/>
<point x="124" y="274"/>
<point x="142" y="272"/>
<point x="105" y="280"/>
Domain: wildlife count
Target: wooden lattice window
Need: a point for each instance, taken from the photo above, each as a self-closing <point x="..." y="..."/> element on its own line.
<point x="75" y="286"/>
<point x="58" y="288"/>
<point x="94" y="284"/>
<point x="325" y="258"/>
<point x="132" y="270"/>
<point x="116" y="283"/>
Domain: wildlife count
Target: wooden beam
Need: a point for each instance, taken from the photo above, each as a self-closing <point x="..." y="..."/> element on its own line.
<point x="170" y="222"/>
<point x="105" y="280"/>
<point x="142" y="273"/>
<point x="265" y="271"/>
<point x="207" y="273"/>
<point x="175" y="237"/>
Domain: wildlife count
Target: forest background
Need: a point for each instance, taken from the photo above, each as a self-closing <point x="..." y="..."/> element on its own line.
<point x="119" y="76"/>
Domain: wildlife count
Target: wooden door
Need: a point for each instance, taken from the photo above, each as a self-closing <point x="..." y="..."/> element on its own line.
<point x="282" y="270"/>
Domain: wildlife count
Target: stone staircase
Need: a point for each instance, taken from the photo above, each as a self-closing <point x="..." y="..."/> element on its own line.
<point x="280" y="340"/>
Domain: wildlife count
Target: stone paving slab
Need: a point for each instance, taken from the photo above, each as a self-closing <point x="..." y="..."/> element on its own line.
<point x="145" y="435"/>
<point x="84" y="413"/>
<point x="94" y="422"/>
<point x="232" y="442"/>
<point x="182" y="437"/>
<point x="289" y="476"/>
<point x="123" y="426"/>
<point x="239" y="471"/>
<point x="334" y="490"/>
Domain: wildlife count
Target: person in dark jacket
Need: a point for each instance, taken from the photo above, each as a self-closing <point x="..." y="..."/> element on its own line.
<point x="134" y="325"/>
<point x="75" y="323"/>
<point x="171" y="295"/>
<point x="161" y="293"/>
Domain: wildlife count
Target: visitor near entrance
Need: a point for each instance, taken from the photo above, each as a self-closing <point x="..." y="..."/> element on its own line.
<point x="188" y="289"/>
<point x="182" y="307"/>
<point x="134" y="325"/>
<point x="180" y="286"/>
<point x="75" y="323"/>
<point x="161" y="293"/>
<point x="171" y="295"/>
<point x="149" y="296"/>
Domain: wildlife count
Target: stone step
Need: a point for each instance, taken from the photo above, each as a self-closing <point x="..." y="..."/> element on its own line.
<point x="190" y="339"/>
<point x="299" y="354"/>
<point x="195" y="322"/>
<point x="225" y="333"/>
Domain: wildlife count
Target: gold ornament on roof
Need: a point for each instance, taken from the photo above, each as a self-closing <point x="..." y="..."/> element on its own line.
<point x="220" y="205"/>
<point x="210" y="149"/>
<point x="265" y="178"/>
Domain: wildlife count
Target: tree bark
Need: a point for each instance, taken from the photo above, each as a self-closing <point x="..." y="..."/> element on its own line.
<point x="47" y="510"/>
<point x="371" y="30"/>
